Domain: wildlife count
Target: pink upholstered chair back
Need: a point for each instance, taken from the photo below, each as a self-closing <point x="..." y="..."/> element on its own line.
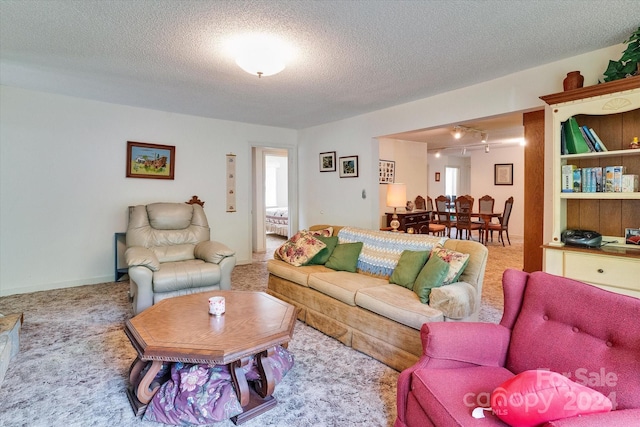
<point x="589" y="334"/>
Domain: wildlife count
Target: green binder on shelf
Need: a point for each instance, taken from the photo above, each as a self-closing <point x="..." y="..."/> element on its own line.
<point x="573" y="137"/>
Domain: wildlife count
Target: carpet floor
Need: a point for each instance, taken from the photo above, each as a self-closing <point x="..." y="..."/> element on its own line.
<point x="74" y="359"/>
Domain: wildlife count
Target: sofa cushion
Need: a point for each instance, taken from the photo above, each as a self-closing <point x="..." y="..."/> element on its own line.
<point x="537" y="396"/>
<point x="343" y="285"/>
<point x="431" y="276"/>
<point x="300" y="248"/>
<point x="299" y="275"/>
<point x="457" y="300"/>
<point x="457" y="262"/>
<point x="344" y="257"/>
<point x="409" y="265"/>
<point x="323" y="256"/>
<point x="397" y="303"/>
<point x="172" y="253"/>
<point x="170" y="216"/>
<point x="194" y="273"/>
<point x="449" y="396"/>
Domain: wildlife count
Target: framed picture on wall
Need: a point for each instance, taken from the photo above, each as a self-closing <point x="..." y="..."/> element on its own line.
<point x="348" y="167"/>
<point x="437" y="176"/>
<point x="328" y="161"/>
<point x="146" y="160"/>
<point x="503" y="174"/>
<point x="387" y="171"/>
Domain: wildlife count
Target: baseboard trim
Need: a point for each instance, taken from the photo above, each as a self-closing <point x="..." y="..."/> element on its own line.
<point x="59" y="285"/>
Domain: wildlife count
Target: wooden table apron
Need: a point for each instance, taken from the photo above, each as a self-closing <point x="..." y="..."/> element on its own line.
<point x="180" y="329"/>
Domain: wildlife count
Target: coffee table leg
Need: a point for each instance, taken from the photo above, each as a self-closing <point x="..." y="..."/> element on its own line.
<point x="143" y="393"/>
<point x="267" y="384"/>
<point x="240" y="380"/>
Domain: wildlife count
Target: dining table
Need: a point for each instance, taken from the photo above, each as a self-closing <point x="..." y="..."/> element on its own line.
<point x="485" y="216"/>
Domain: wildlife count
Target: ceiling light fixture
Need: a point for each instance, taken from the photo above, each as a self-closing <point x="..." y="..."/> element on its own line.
<point x="260" y="54"/>
<point x="458" y="131"/>
<point x="437" y="154"/>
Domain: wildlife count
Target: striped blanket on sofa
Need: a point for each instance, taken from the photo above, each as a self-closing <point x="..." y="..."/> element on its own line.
<point x="381" y="250"/>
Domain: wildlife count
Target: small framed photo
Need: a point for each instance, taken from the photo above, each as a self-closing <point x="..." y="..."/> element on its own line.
<point x="348" y="167"/>
<point x="146" y="160"/>
<point x="387" y="172"/>
<point x="437" y="176"/>
<point x="632" y="236"/>
<point x="503" y="174"/>
<point x="328" y="161"/>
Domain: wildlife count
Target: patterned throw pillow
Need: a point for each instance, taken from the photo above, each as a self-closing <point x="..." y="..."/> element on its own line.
<point x="299" y="249"/>
<point x="325" y="232"/>
<point x="457" y="262"/>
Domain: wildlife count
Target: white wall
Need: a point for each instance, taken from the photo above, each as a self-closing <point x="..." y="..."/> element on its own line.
<point x="482" y="182"/>
<point x="410" y="167"/>
<point x="326" y="199"/>
<point x="64" y="192"/>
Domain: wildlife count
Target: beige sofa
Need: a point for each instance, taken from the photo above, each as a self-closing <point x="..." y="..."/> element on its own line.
<point x="368" y="313"/>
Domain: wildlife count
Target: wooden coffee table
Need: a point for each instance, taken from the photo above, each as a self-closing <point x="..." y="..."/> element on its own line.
<point x="180" y="329"/>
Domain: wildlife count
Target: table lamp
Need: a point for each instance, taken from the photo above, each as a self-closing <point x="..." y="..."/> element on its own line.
<point x="396" y="198"/>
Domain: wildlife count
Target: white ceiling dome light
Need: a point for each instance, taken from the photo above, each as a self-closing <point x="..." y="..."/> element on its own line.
<point x="260" y="54"/>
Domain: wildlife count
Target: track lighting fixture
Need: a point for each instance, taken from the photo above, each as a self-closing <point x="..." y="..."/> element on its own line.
<point x="486" y="148"/>
<point x="464" y="150"/>
<point x="458" y="131"/>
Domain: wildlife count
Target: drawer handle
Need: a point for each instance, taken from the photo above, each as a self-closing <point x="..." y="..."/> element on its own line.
<point x="600" y="270"/>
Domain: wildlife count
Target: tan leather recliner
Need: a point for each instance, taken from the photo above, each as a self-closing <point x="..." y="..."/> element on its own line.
<point x="169" y="254"/>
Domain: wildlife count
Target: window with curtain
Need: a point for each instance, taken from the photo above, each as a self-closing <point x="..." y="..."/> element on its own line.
<point x="270" y="187"/>
<point x="451" y="180"/>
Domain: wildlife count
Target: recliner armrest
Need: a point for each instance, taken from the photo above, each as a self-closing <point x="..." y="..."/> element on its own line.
<point x="141" y="256"/>
<point x="211" y="251"/>
<point x="483" y="344"/>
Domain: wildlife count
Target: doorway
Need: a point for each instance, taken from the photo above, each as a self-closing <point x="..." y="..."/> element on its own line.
<point x="272" y="210"/>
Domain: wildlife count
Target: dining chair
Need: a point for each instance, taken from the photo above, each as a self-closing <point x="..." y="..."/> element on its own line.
<point x="504" y="222"/>
<point x="443" y="214"/>
<point x="420" y="203"/>
<point x="434" y="227"/>
<point x="485" y="205"/>
<point x="464" y="207"/>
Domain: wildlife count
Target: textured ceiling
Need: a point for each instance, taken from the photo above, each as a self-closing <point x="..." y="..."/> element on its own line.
<point x="352" y="57"/>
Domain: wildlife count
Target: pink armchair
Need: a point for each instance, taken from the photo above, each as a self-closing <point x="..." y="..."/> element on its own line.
<point x="549" y="322"/>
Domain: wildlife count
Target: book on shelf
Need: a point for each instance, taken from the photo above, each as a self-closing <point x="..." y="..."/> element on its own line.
<point x="618" y="171"/>
<point x="563" y="141"/>
<point x="608" y="179"/>
<point x="598" y="140"/>
<point x="587" y="139"/>
<point x="598" y="179"/>
<point x="574" y="139"/>
<point x="629" y="183"/>
<point x="591" y="139"/>
<point x="577" y="180"/>
<point x="567" y="178"/>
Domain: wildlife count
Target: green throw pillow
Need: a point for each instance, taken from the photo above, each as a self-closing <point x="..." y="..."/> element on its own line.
<point x="323" y="256"/>
<point x="345" y="257"/>
<point x="431" y="276"/>
<point x="408" y="268"/>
